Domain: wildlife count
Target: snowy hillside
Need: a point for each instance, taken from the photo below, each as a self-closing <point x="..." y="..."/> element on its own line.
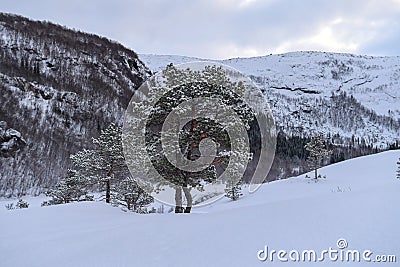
<point x="301" y="87"/>
<point x="358" y="202"/>
<point x="59" y="88"/>
<point x="374" y="81"/>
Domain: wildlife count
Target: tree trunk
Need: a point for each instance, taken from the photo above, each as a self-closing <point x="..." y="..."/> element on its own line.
<point x="108" y="189"/>
<point x="189" y="199"/>
<point x="316" y="171"/>
<point x="178" y="200"/>
<point x="108" y="186"/>
<point x="128" y="203"/>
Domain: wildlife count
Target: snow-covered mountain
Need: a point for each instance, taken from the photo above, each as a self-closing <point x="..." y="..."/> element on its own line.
<point x="59" y="88"/>
<point x="355" y="207"/>
<point x="348" y="96"/>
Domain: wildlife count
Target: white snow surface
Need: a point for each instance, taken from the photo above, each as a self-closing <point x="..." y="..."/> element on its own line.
<point x="357" y="201"/>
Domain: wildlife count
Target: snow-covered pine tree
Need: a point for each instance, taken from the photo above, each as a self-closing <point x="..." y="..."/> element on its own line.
<point x="128" y="193"/>
<point x="73" y="187"/>
<point x="316" y="152"/>
<point x="234" y="192"/>
<point x="106" y="161"/>
<point x="21" y="204"/>
<point x="398" y="169"/>
<point x="210" y="82"/>
<point x="105" y="164"/>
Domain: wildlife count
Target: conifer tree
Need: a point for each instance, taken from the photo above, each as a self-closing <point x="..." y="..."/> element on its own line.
<point x="105" y="162"/>
<point x="128" y="193"/>
<point x="234" y="192"/>
<point x="316" y="152"/>
<point x="398" y="169"/>
<point x="21" y="204"/>
<point x="210" y="83"/>
<point x="73" y="187"/>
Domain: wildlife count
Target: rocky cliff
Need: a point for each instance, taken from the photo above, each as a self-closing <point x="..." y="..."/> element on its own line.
<point x="59" y="88"/>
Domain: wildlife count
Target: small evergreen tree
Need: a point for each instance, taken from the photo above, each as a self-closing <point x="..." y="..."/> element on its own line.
<point x="106" y="161"/>
<point x="68" y="189"/>
<point x="128" y="193"/>
<point x="105" y="164"/>
<point x="398" y="169"/>
<point x="234" y="192"/>
<point x="21" y="204"/>
<point x="316" y="152"/>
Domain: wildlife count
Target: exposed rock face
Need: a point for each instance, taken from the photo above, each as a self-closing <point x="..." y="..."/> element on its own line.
<point x="58" y="88"/>
<point x="11" y="140"/>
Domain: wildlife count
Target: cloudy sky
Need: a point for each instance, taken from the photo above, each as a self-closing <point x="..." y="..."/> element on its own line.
<point x="229" y="28"/>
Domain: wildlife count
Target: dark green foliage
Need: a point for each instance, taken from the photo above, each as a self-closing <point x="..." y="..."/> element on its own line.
<point x="129" y="194"/>
<point x="73" y="187"/>
<point x="317" y="151"/>
<point x="106" y="161"/>
<point x="105" y="165"/>
<point x="291" y="155"/>
<point x="210" y="83"/>
<point x="188" y="84"/>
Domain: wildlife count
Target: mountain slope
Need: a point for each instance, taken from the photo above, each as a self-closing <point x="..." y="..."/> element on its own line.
<point x="341" y="94"/>
<point x="353" y="100"/>
<point x="59" y="87"/>
<point x="374" y="81"/>
<point x="357" y="202"/>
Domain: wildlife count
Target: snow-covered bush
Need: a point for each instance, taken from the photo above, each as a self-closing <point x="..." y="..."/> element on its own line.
<point x="71" y="188"/>
<point x="21" y="204"/>
<point x="234" y="192"/>
<point x="10" y="206"/>
<point x="129" y="194"/>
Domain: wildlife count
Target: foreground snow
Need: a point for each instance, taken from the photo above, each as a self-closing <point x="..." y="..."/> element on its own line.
<point x="358" y="202"/>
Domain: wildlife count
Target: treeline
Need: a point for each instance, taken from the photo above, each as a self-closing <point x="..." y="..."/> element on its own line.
<point x="291" y="155"/>
<point x="340" y="114"/>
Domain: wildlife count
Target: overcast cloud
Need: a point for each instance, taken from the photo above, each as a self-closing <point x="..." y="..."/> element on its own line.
<point x="229" y="28"/>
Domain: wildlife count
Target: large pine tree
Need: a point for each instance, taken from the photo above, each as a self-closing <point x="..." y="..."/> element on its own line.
<point x="196" y="135"/>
